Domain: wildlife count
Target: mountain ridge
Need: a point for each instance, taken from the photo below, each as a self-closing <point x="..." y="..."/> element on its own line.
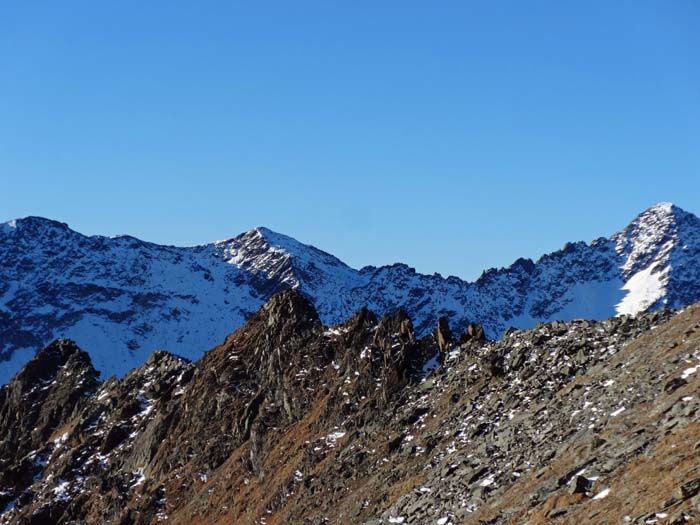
<point x="123" y="297"/>
<point x="291" y="421"/>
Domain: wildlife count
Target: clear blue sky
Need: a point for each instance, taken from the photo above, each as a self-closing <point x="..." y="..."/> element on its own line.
<point x="452" y="136"/>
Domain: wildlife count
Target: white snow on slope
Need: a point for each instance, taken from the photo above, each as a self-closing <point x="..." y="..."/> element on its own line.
<point x="121" y="298"/>
<point x="8" y="227"/>
<point x="643" y="289"/>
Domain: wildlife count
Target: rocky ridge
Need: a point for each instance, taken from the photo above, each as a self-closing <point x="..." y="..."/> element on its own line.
<point x="290" y="421"/>
<point x="121" y="298"/>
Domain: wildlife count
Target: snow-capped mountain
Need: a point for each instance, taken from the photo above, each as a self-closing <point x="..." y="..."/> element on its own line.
<point x="121" y="298"/>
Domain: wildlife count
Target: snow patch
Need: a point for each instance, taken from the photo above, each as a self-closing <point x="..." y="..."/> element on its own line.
<point x="617" y="412"/>
<point x="644" y="289"/>
<point x="138" y="477"/>
<point x="487" y="482"/>
<point x="602" y="494"/>
<point x="9" y="227"/>
<point x="689" y="371"/>
<point x="61" y="491"/>
<point x="333" y="437"/>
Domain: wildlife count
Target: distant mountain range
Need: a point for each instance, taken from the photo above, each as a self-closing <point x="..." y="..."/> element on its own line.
<point x="120" y="298"/>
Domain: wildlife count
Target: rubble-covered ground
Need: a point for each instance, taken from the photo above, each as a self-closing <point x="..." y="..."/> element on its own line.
<point x="289" y="421"/>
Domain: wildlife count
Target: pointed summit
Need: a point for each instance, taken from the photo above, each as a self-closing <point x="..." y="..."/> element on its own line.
<point x="662" y="207"/>
<point x="47" y="393"/>
<point x="289" y="263"/>
<point x="659" y="217"/>
<point x="651" y="236"/>
<point x="658" y="249"/>
<point x="271" y="237"/>
<point x="290" y="307"/>
<point x="289" y="245"/>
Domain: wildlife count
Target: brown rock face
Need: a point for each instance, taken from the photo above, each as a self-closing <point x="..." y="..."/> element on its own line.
<point x="288" y="421"/>
<point x="473" y="333"/>
<point x="45" y="395"/>
<point x="444" y="335"/>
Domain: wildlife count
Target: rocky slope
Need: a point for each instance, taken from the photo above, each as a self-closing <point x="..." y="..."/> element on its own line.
<point x="121" y="298"/>
<point x="290" y="421"/>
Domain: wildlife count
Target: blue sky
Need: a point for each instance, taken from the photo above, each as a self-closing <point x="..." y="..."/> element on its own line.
<point x="452" y="136"/>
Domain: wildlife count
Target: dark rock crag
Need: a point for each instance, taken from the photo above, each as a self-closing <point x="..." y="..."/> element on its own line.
<point x="290" y="421"/>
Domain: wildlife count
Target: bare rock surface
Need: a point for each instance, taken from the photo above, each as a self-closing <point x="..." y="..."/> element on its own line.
<point x="291" y="421"/>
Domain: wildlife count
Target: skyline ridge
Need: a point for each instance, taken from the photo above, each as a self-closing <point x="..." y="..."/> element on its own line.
<point x="667" y="207"/>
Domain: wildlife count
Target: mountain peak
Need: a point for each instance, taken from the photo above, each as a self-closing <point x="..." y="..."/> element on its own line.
<point x="289" y="306"/>
<point x="277" y="254"/>
<point x="276" y="240"/>
<point x="265" y="231"/>
<point x="264" y="238"/>
<point x="660" y="216"/>
<point x="650" y="231"/>
<point x="31" y="223"/>
<point x="664" y="207"/>
<point x="49" y="360"/>
<point x="659" y="213"/>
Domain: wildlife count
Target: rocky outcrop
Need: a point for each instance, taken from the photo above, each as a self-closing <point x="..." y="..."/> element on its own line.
<point x="289" y="421"/>
<point x="43" y="397"/>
